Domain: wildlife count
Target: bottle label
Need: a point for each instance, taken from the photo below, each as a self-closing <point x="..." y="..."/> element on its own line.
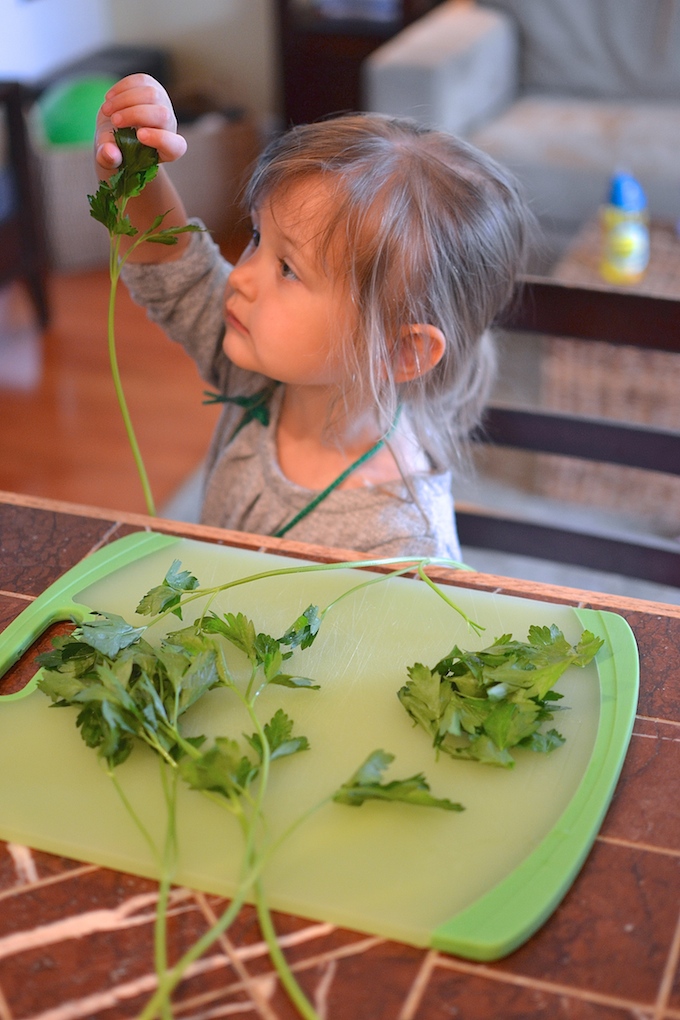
<point x="626" y="249"/>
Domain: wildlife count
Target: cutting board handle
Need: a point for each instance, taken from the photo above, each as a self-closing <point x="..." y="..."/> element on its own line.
<point x="21" y="633"/>
<point x="59" y="602"/>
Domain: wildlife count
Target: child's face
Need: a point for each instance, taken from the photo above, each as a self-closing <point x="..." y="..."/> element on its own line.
<point x="284" y="313"/>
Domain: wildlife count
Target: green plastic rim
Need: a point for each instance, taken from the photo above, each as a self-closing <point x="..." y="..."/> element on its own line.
<point x="57" y="603"/>
<point x="513" y="910"/>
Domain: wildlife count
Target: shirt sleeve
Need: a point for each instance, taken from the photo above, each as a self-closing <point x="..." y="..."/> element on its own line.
<point x="185" y="297"/>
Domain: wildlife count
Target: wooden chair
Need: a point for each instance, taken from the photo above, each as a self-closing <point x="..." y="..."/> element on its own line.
<point x="589" y="315"/>
<point x="23" y="251"/>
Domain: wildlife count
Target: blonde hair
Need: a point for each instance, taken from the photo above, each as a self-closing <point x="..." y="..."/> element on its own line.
<point x="433" y="231"/>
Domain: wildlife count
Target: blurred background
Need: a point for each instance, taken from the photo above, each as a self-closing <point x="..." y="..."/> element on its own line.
<point x="573" y="95"/>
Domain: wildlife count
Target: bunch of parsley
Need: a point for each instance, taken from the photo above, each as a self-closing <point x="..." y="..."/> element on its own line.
<point x="130" y="691"/>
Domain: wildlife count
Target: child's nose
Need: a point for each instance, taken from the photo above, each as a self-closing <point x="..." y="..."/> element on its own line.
<point x="242" y="277"/>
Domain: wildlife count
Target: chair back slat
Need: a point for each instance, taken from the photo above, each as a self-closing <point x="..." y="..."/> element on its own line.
<point x="584" y="313"/>
<point x="595" y="315"/>
<point x="648" y="562"/>
<point x="594" y="439"/>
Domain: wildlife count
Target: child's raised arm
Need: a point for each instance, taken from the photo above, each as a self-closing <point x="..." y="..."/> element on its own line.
<point x="139" y="101"/>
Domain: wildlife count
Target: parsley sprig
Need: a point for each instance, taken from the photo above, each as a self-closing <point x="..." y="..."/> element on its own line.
<point x="108" y="206"/>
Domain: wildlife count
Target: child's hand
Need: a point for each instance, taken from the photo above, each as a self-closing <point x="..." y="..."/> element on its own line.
<point x="137" y="101"/>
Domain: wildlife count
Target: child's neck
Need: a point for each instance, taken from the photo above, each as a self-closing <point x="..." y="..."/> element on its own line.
<point x="312" y="459"/>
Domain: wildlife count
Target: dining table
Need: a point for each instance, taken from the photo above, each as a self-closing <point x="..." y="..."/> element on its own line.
<point x="76" y="936"/>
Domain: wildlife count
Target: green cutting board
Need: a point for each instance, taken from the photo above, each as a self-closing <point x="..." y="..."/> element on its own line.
<point x="476" y="883"/>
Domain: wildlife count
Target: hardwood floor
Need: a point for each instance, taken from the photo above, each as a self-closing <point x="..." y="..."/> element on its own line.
<point x="61" y="432"/>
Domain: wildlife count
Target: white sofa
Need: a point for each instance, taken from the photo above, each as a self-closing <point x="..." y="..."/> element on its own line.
<point x="565" y="92"/>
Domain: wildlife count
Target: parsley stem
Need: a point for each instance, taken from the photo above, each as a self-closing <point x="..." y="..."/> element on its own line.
<point x="169" y="863"/>
<point x="416" y="563"/>
<point x="135" y="817"/>
<point x="165" y="866"/>
<point x="288" y="980"/>
<point x="254" y="857"/>
<point x="365" y="584"/>
<point x="173" y="977"/>
<point x="477" y="627"/>
<point x="118" y="386"/>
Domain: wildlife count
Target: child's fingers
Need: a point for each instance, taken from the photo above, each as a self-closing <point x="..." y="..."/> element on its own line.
<point x="169" y="144"/>
<point x="142" y="107"/>
<point x="108" y="156"/>
<point x="137" y="101"/>
<point x="135" y="88"/>
<point x="141" y="100"/>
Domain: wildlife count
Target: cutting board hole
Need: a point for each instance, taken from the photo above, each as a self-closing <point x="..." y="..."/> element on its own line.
<point x="19" y="675"/>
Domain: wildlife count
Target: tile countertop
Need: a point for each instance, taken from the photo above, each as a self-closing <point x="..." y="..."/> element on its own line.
<point x="76" y="940"/>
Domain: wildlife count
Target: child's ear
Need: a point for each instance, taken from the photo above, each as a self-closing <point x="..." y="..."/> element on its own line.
<point x="421" y="346"/>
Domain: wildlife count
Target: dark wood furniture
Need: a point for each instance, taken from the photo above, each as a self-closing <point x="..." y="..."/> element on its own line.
<point x="75" y="940"/>
<point x="320" y="56"/>
<point x="594" y="315"/>
<point x="23" y="251"/>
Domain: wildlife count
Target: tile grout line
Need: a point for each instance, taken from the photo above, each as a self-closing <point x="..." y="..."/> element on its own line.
<point x="582" y="994"/>
<point x="632" y="845"/>
<point x="134" y="912"/>
<point x="24" y="864"/>
<point x="250" y="983"/>
<point x="419" y="986"/>
<point x="17" y="595"/>
<point x="656" y="736"/>
<point x="668" y="978"/>
<point x="104" y="538"/>
<point x="82" y="1009"/>
<point x="658" y="719"/>
<point x="323" y="989"/>
<point x="41" y="883"/>
<point x="223" y="1011"/>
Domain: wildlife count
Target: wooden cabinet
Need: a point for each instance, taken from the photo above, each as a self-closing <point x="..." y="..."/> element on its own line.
<point x="23" y="252"/>
<point x="320" y="54"/>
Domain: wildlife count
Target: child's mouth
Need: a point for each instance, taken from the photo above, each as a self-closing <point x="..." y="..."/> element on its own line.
<point x="236" y="323"/>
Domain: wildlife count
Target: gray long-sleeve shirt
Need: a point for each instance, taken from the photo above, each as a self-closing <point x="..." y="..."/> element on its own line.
<point x="245" y="488"/>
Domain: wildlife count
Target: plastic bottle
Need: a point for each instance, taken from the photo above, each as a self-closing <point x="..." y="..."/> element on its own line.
<point x="625" y="230"/>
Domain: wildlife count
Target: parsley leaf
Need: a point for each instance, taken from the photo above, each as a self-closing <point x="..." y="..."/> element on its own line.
<point x="366" y="784"/>
<point x="168" y="594"/>
<point x="109" y="634"/>
<point x="235" y="628"/>
<point x="279" y="734"/>
<point x="221" y="769"/>
<point x="304" y="630"/>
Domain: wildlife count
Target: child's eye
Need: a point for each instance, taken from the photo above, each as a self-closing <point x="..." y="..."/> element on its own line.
<point x="255" y="237"/>
<point x="287" y="272"/>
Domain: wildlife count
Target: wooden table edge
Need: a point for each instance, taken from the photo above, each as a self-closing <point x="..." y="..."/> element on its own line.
<point x="496" y="583"/>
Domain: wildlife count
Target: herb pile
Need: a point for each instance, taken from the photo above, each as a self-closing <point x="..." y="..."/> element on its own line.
<point x="108" y="206"/>
<point x="480" y="705"/>
<point x="130" y="691"/>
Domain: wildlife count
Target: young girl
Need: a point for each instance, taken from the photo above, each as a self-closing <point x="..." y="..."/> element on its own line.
<point x="350" y="341"/>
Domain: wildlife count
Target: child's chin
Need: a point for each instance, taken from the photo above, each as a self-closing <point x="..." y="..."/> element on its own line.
<point x="234" y="347"/>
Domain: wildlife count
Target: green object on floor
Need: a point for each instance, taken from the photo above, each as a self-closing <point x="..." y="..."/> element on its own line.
<point x="68" y="109"/>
